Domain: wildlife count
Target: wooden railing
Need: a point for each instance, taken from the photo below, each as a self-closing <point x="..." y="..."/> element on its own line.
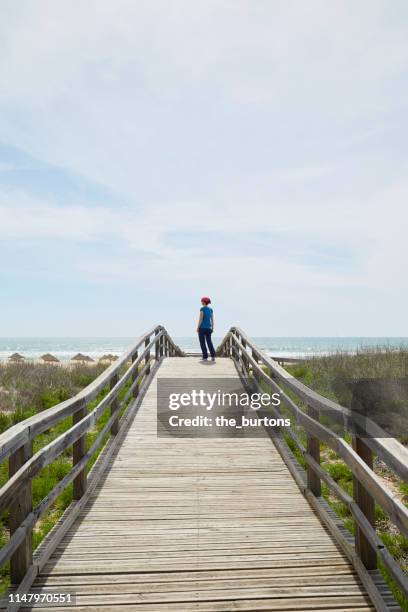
<point x="262" y="372"/>
<point x="129" y="375"/>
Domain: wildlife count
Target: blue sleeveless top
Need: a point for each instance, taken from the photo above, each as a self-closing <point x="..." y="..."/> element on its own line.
<point x="207" y="314"/>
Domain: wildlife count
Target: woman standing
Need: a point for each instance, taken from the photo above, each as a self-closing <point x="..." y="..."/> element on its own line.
<point x="205" y="328"/>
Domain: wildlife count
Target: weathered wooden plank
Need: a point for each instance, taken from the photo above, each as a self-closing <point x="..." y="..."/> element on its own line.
<point x="355" y="603"/>
<point x="365" y="502"/>
<point x="19" y="510"/>
<point x="317" y="568"/>
<point x="78" y="452"/>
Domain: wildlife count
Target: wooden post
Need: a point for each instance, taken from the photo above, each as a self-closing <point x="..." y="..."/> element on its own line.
<point x="78" y="451"/>
<point x="147" y="357"/>
<point x="313" y="448"/>
<point x="366" y="504"/>
<point x="254" y="371"/>
<point x="135" y="376"/>
<point x="244" y="355"/>
<point x="20" y="507"/>
<point x="244" y="361"/>
<point x="114" y="408"/>
<point x="255" y="358"/>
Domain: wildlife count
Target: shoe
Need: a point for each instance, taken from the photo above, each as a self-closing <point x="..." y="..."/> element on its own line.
<point x="205" y="359"/>
<point x="213" y="359"/>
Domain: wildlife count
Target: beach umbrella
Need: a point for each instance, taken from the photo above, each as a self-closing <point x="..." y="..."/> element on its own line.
<point x="104" y="359"/>
<point x="48" y="358"/>
<point x="80" y="358"/>
<point x="16" y="357"/>
<point x="107" y="358"/>
<point x="89" y="359"/>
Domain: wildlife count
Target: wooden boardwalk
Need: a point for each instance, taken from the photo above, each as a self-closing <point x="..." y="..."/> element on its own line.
<point x="199" y="524"/>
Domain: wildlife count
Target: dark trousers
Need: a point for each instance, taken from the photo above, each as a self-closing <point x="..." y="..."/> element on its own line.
<point x="204" y="335"/>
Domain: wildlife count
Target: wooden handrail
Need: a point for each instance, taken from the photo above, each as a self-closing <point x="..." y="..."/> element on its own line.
<point x="27" y="430"/>
<point x="16" y="443"/>
<point x="394" y="454"/>
<point x="256" y="367"/>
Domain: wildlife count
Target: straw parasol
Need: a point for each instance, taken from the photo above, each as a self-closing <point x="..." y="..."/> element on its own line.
<point x="107" y="358"/>
<point x="80" y="358"/>
<point x="16" y="357"/>
<point x="48" y="358"/>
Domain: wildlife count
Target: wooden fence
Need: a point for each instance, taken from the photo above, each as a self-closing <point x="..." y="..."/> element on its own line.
<point x="264" y="373"/>
<point x="132" y="371"/>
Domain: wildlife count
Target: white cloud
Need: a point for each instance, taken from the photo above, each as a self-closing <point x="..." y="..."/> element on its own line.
<point x="238" y="117"/>
<point x="108" y="89"/>
<point x="367" y="230"/>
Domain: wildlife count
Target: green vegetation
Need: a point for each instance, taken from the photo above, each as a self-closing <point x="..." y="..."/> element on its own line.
<point x="26" y="389"/>
<point x="374" y="382"/>
<point x="326" y="375"/>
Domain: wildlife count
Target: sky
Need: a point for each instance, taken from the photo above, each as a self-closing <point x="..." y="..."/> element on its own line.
<point x="152" y="152"/>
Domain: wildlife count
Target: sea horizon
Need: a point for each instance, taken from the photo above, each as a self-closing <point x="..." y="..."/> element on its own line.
<point x="64" y="348"/>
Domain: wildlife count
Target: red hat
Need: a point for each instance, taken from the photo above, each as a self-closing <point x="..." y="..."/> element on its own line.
<point x="206" y="300"/>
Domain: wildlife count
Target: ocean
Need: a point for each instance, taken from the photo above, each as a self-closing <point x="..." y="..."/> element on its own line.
<point x="65" y="348"/>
